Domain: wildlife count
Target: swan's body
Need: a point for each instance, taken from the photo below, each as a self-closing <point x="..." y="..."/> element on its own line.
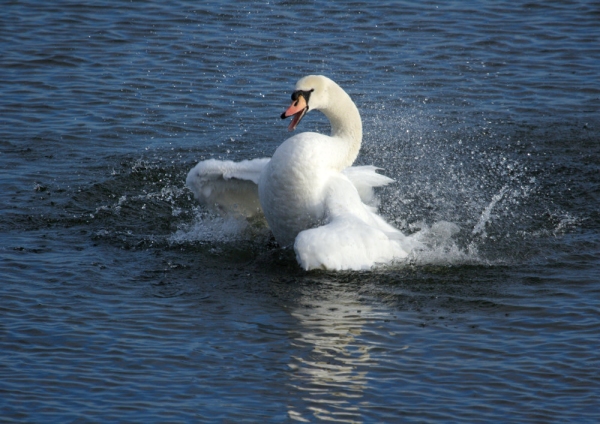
<point x="310" y="195"/>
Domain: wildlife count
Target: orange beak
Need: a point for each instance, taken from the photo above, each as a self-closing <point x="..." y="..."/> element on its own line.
<point x="297" y="109"/>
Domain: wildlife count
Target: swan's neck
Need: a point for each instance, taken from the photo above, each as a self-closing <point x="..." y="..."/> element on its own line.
<point x="346" y="127"/>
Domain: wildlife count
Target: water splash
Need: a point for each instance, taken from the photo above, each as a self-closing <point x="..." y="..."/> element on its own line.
<point x="441" y="248"/>
<point x="471" y="194"/>
<point x="208" y="227"/>
<point x="487" y="213"/>
<point x="478" y="179"/>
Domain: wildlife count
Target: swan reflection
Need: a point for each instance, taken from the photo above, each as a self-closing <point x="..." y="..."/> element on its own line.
<point x="331" y="374"/>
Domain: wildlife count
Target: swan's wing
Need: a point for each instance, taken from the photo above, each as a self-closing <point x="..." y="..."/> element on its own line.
<point x="227" y="186"/>
<point x="353" y="237"/>
<point x="364" y="179"/>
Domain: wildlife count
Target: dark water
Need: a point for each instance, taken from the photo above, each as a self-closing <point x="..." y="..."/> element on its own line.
<point x="122" y="300"/>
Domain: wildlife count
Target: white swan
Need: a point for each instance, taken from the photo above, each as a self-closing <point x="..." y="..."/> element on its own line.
<point x="310" y="195"/>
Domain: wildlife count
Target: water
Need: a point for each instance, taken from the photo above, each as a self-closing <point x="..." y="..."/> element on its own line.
<point x="122" y="300"/>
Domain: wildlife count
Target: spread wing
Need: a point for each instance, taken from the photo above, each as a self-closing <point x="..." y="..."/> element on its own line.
<point x="228" y="187"/>
<point x="365" y="178"/>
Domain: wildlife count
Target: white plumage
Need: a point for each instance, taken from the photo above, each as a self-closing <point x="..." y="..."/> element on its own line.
<point x="311" y="196"/>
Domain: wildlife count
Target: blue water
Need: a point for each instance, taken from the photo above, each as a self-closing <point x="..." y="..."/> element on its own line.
<point x="123" y="300"/>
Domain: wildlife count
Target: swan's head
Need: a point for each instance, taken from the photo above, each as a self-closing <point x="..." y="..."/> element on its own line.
<point x="311" y="92"/>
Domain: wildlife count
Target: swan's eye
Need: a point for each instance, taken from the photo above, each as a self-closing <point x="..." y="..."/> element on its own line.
<point x="303" y="93"/>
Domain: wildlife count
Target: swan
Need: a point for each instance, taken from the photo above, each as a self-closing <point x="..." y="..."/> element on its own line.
<point x="310" y="195"/>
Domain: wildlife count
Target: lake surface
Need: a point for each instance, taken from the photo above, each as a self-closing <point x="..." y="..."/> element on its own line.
<point x="125" y="301"/>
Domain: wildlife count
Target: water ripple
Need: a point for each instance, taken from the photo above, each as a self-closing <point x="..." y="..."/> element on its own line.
<point x="125" y="301"/>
